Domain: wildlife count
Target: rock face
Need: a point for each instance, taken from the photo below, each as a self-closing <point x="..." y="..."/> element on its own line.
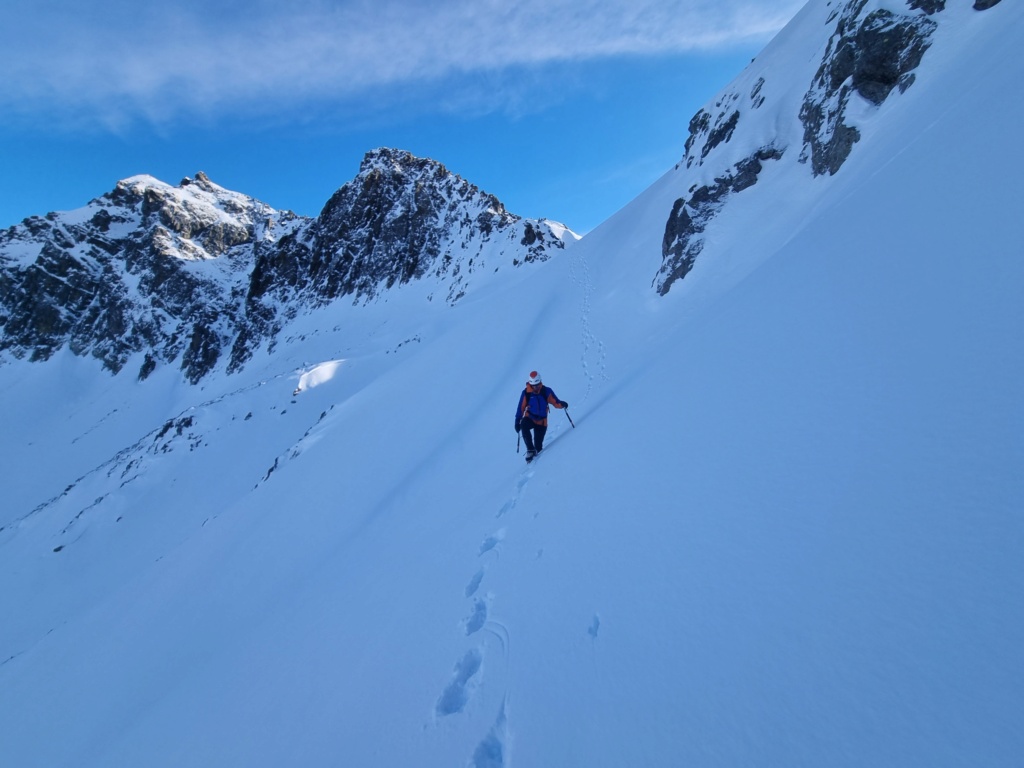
<point x="928" y="6"/>
<point x="198" y="275"/>
<point x="402" y="220"/>
<point x="869" y="53"/>
<point x="404" y="217"/>
<point x="690" y="216"/>
<point x="146" y="268"/>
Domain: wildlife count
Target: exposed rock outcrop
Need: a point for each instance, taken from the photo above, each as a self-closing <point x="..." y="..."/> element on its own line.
<point x="682" y="242"/>
<point x="870" y="52"/>
<point x="868" y="55"/>
<point x="201" y="276"/>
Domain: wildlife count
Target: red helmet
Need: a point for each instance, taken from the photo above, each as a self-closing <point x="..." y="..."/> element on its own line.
<point x="534" y="378"/>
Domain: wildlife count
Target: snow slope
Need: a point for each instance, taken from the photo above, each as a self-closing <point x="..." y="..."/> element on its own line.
<point x="786" y="529"/>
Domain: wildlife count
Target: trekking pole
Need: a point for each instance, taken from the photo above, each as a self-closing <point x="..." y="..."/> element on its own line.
<point x="518" y="436"/>
<point x="566" y="409"/>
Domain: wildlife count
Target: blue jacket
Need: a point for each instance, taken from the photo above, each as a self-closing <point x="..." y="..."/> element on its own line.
<point x="533" y="404"/>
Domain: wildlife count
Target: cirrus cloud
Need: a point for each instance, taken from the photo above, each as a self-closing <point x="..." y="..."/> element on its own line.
<point x="126" y="61"/>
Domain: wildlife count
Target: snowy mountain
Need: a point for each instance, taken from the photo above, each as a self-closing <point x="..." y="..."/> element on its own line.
<point x="196" y="274"/>
<point x="785" y="529"/>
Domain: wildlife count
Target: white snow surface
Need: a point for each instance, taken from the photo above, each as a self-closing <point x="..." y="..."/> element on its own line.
<point x="787" y="528"/>
<point x="319" y="374"/>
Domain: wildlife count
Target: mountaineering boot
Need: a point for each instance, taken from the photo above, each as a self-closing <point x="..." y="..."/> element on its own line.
<point x="530" y="455"/>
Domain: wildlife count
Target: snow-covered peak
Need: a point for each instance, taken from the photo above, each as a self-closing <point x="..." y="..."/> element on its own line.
<point x="201" y="275"/>
<point x="402" y="173"/>
<point x="199" y="183"/>
<point x="197" y="219"/>
<point x="409" y="221"/>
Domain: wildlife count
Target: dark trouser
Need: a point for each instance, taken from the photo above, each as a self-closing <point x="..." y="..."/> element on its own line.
<point x="533" y="435"/>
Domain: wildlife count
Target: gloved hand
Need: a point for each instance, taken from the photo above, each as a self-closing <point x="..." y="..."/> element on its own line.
<point x="518" y="425"/>
<point x="564" y="404"/>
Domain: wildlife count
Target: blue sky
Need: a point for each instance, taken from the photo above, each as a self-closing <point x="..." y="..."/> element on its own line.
<point x="564" y="109"/>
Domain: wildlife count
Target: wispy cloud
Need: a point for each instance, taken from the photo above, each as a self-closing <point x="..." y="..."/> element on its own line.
<point x="126" y="61"/>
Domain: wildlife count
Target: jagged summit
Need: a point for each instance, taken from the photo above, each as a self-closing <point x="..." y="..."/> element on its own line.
<point x="392" y="160"/>
<point x="196" y="273"/>
<point x="404" y="218"/>
<point x="402" y="166"/>
<point x="400" y="163"/>
<point x="146" y="181"/>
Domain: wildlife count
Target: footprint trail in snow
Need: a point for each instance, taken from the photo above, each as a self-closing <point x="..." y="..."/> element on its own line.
<point x="467" y="675"/>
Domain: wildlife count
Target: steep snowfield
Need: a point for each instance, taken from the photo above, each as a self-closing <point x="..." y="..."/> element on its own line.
<point x="786" y="529"/>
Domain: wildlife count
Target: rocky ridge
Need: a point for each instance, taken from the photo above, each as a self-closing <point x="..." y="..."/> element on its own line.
<point x="871" y="52"/>
<point x="200" y="276"/>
